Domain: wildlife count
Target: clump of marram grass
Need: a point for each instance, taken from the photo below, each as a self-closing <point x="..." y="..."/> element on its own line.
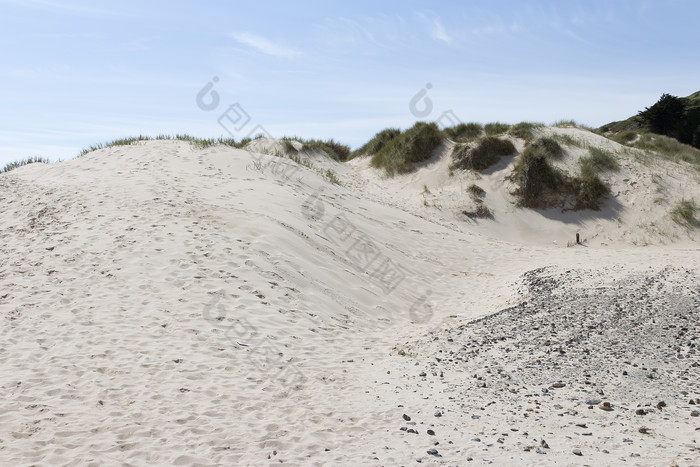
<point x="414" y="145"/>
<point x="567" y="140"/>
<point x="480" y="210"/>
<point x="475" y="191"/>
<point x="334" y="149"/>
<point x="463" y="132"/>
<point x="21" y="162"/>
<point x="542" y="185"/>
<point x="486" y="153"/>
<point x="589" y="187"/>
<point x="524" y="130"/>
<point x="669" y="148"/>
<point x="496" y="128"/>
<point x="548" y="147"/>
<point x="536" y="178"/>
<point x="572" y="124"/>
<point x="601" y="159"/>
<point x="198" y="143"/>
<point x="288" y="146"/>
<point x="376" y="144"/>
<point x="684" y="213"/>
<point x="626" y="137"/>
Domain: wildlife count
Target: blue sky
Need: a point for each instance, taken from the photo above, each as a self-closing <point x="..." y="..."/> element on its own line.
<point x="76" y="73"/>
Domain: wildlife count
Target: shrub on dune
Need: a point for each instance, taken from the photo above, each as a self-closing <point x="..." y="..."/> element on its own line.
<point x="496" y="128"/>
<point x="414" y="145"/>
<point x="378" y="142"/>
<point x="524" y="130"/>
<point x="486" y="153"/>
<point x="463" y="132"/>
<point x="536" y="177"/>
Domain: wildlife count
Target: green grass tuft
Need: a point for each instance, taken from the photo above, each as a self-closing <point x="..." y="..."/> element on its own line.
<point x="547" y="147"/>
<point x="199" y="143"/>
<point x="524" y="130"/>
<point x="600" y="159"/>
<point x="496" y="128"/>
<point x="566" y="140"/>
<point x="536" y="178"/>
<point x="684" y="213"/>
<point x="486" y="153"/>
<point x="626" y="137"/>
<point x="21" y="162"/>
<point x="414" y="145"/>
<point x="331" y="148"/>
<point x="376" y="144"/>
<point x="572" y="124"/>
<point x="668" y="148"/>
<point x="463" y="132"/>
<point x="589" y="187"/>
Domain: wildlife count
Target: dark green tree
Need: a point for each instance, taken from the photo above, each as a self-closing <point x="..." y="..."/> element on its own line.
<point x="665" y="117"/>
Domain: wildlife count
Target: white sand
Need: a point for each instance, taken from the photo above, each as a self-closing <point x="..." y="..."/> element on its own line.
<point x="163" y="305"/>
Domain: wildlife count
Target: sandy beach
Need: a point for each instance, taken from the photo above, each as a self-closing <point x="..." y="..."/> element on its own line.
<point x="169" y="305"/>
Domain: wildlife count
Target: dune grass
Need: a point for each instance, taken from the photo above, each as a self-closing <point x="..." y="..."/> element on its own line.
<point x="600" y="159"/>
<point x="573" y="124"/>
<point x="669" y="148"/>
<point x="626" y="137"/>
<point x="486" y="153"/>
<point x="464" y="132"/>
<point x="536" y="178"/>
<point x="377" y="142"/>
<point x="684" y="213"/>
<point x="541" y="185"/>
<point x="566" y="140"/>
<point x="414" y="145"/>
<point x="21" y="162"/>
<point x="589" y="187"/>
<point x="547" y="147"/>
<point x="199" y="143"/>
<point x="524" y="130"/>
<point x="333" y="149"/>
<point x="496" y="128"/>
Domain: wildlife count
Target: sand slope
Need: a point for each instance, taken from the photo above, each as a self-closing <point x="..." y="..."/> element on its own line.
<point x="166" y="305"/>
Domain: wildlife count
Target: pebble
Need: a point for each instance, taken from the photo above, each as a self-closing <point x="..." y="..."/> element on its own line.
<point x="695" y="413"/>
<point x="578" y="452"/>
<point x="605" y="406"/>
<point x="438" y="414"/>
<point x="431" y="432"/>
<point x="640" y="412"/>
<point x="433" y="452"/>
<point x="406" y="417"/>
<point x="544" y="444"/>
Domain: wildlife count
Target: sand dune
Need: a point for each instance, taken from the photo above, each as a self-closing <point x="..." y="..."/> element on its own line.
<point x="168" y="305"/>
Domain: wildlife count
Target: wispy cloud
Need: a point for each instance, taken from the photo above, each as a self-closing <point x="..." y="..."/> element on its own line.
<point x="439" y="32"/>
<point x="263" y="45"/>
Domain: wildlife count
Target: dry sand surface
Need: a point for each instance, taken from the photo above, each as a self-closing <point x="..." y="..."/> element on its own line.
<point x="167" y="305"/>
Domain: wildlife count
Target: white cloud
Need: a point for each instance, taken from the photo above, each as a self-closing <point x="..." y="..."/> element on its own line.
<point x="264" y="45"/>
<point x="439" y="32"/>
